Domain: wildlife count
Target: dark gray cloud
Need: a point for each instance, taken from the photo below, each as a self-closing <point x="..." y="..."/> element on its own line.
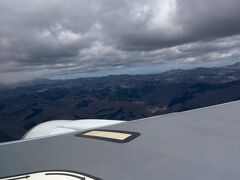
<point x="64" y="39"/>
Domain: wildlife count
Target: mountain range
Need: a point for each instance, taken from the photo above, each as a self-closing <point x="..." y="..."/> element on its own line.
<point x="120" y="97"/>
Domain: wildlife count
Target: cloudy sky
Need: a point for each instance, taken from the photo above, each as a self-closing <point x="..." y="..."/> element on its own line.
<point x="79" y="38"/>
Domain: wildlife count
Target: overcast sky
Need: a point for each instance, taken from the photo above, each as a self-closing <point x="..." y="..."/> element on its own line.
<point x="79" y="38"/>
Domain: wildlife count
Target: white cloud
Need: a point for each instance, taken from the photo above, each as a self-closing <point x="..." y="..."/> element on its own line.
<point x="58" y="37"/>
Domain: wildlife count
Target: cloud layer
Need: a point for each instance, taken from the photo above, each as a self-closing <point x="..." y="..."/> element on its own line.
<point x="74" y="38"/>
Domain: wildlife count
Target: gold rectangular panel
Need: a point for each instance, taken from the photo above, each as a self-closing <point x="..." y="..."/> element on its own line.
<point x="115" y="136"/>
<point x="107" y="134"/>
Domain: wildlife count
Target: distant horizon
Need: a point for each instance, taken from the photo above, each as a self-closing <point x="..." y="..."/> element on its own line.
<point x="160" y="72"/>
<point x="154" y="73"/>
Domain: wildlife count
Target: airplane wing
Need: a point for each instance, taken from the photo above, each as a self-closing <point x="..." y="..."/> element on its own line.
<point x="202" y="144"/>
